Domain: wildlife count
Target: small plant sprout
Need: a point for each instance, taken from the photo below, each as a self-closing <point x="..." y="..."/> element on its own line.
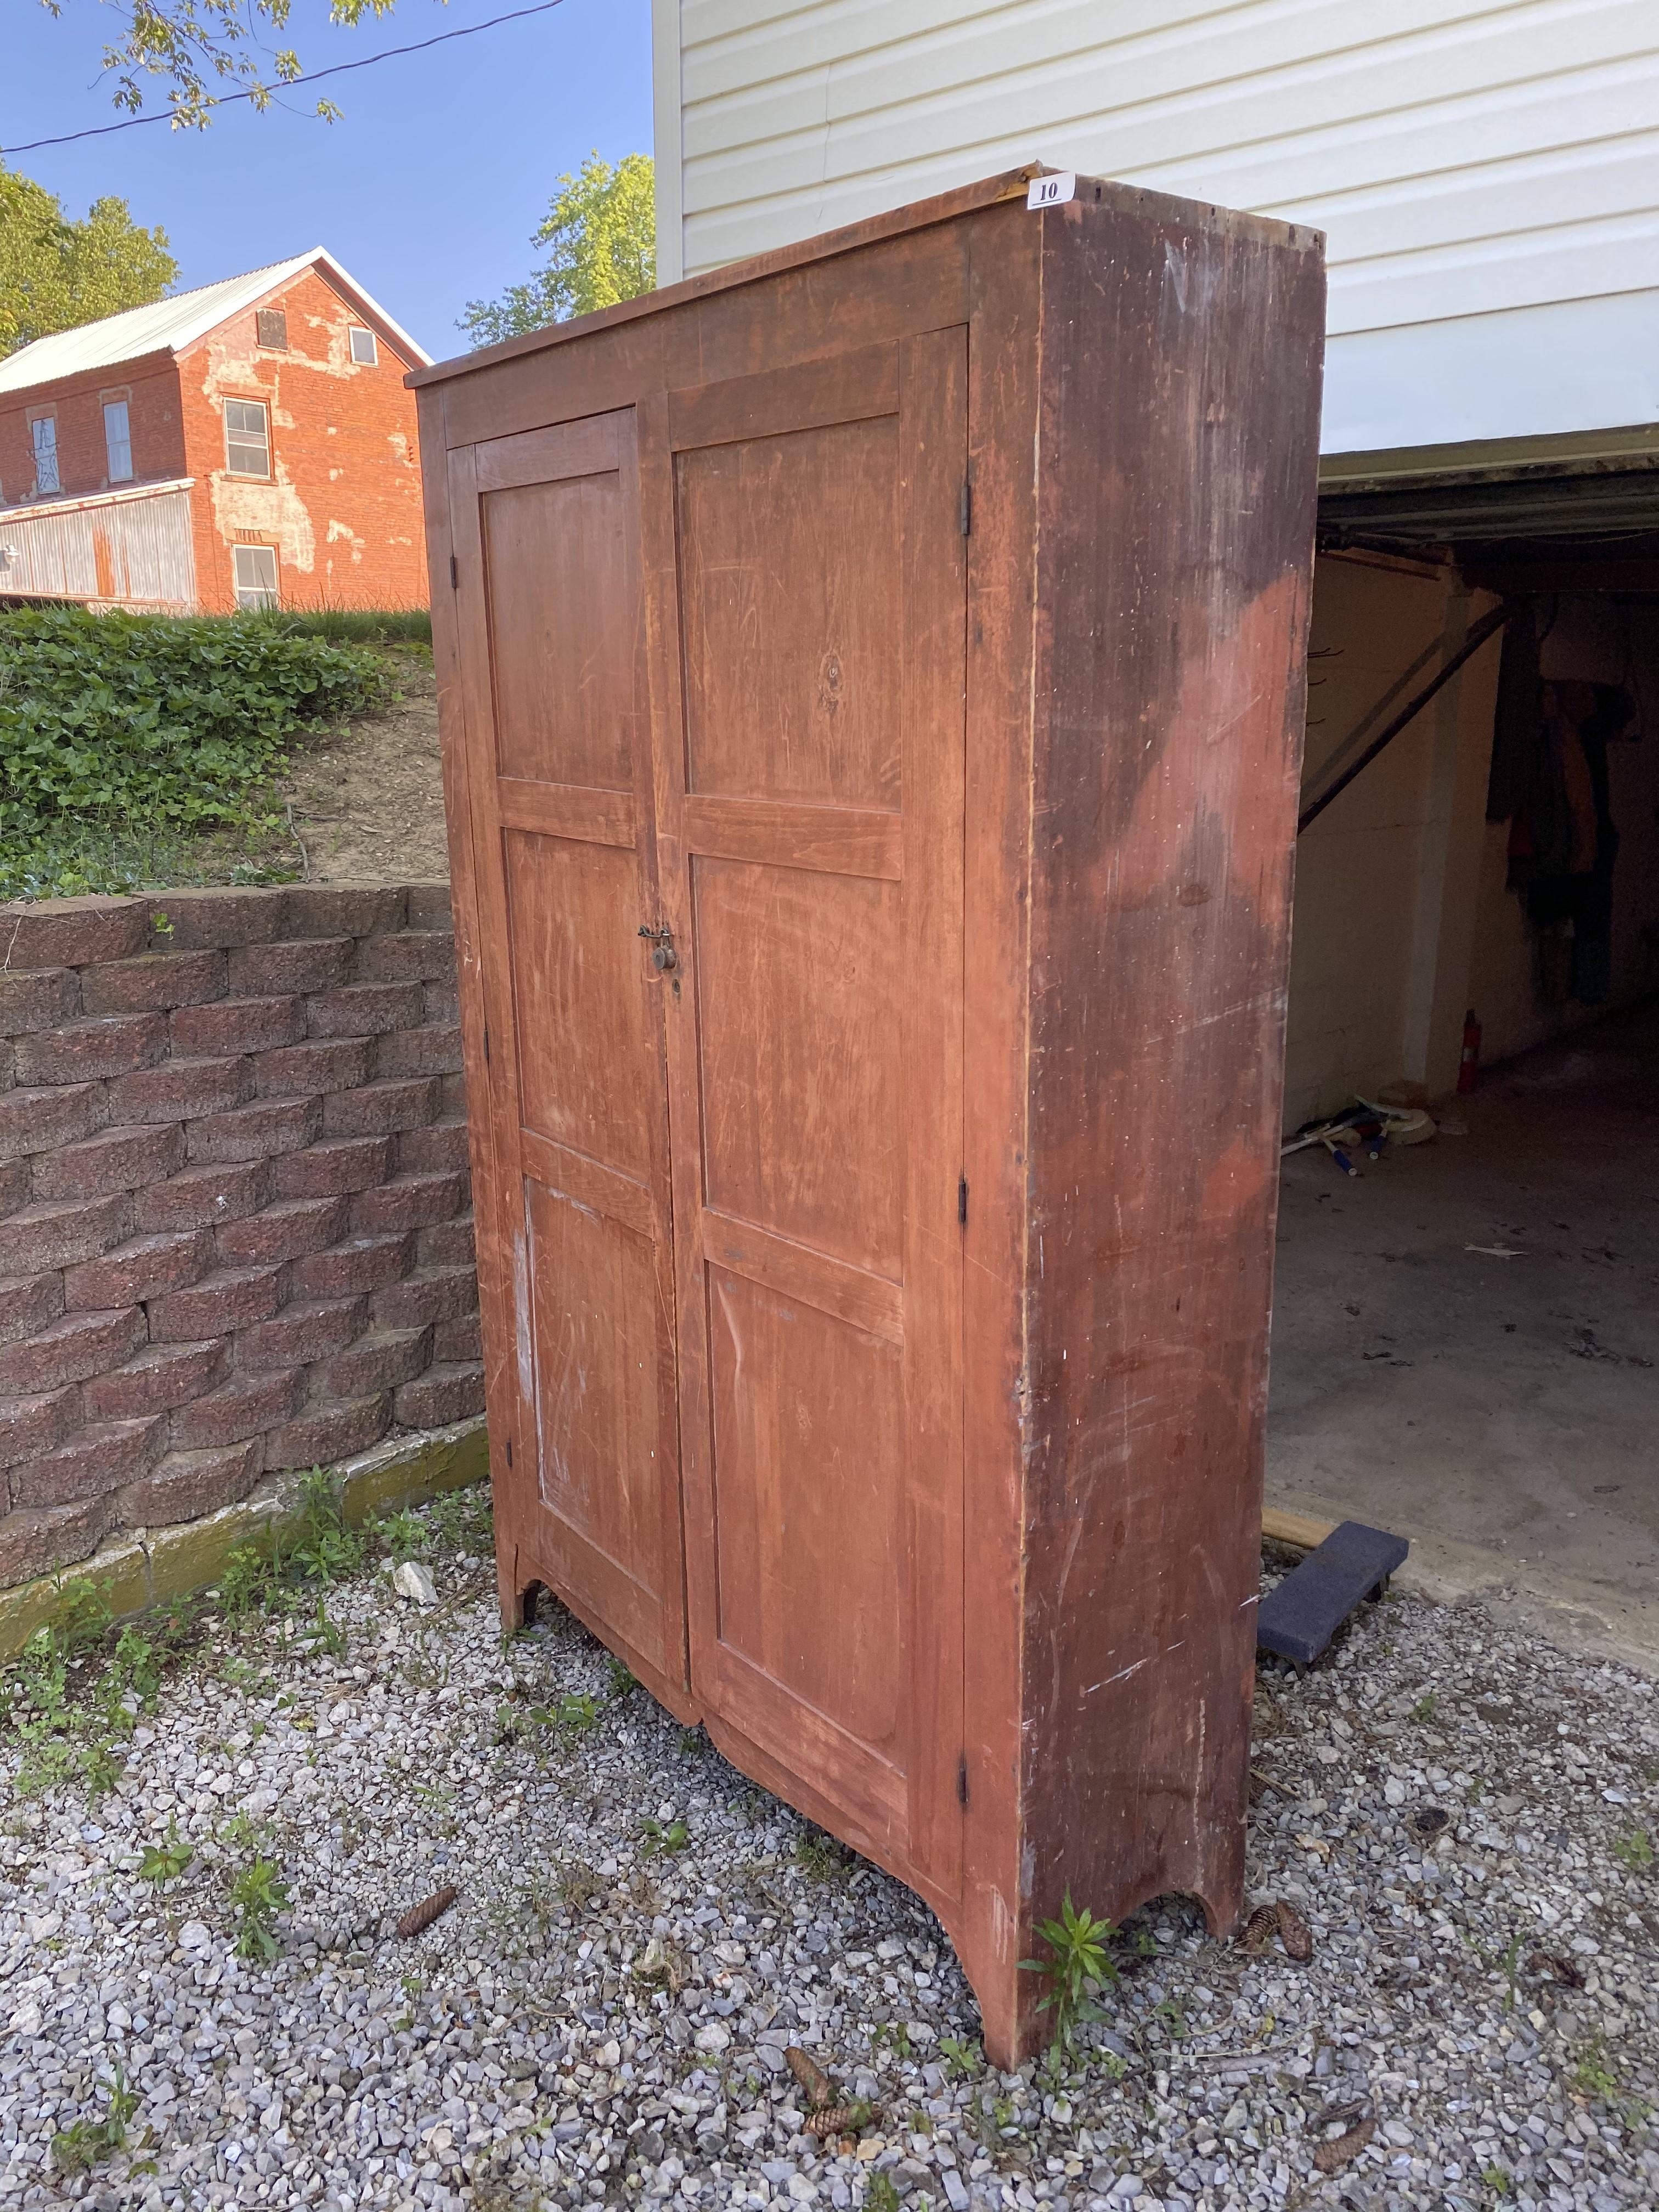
<point x="657" y="1837"/>
<point x="165" y="1861"/>
<point x="1076" y="1969"/>
<point x="1634" y="1850"/>
<point x="78" y="2148"/>
<point x="258" y="1894"/>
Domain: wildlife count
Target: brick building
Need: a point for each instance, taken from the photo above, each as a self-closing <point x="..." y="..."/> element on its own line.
<point x="247" y="443"/>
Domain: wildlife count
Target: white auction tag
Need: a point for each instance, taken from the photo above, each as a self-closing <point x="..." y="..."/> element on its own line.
<point x="1051" y="191"/>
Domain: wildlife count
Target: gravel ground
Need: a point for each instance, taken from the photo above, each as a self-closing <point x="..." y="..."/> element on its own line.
<point x="1460" y="1818"/>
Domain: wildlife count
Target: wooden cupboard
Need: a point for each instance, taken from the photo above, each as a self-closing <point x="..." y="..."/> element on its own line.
<point x="871" y="689"/>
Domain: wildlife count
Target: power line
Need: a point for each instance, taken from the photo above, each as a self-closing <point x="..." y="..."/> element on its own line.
<point x="311" y="77"/>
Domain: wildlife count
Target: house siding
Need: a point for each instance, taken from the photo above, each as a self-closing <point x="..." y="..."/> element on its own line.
<point x="1476" y="168"/>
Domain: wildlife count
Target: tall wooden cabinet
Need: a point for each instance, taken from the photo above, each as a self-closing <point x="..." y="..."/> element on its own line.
<point x="871" y="689"/>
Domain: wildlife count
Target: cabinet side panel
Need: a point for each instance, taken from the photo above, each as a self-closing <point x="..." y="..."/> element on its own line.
<point x="1177" y="460"/>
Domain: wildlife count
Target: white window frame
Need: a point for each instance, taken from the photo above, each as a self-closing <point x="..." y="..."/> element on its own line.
<point x="48" y="476"/>
<point x="372" y="358"/>
<point x="254" y="576"/>
<point x="118" y="441"/>
<point x="244" y="438"/>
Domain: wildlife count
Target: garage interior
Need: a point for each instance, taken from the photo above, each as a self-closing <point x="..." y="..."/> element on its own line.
<point x="1466" y="1331"/>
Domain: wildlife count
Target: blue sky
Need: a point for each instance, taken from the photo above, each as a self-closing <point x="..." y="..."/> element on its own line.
<point x="428" y="189"/>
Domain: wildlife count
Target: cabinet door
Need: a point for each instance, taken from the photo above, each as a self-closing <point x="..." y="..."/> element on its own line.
<point x="546" y="538"/>
<point x="808" y="583"/>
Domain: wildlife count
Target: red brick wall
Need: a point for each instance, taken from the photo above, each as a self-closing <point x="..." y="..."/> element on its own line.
<point x="343" y="509"/>
<point x="235" y="1232"/>
<point x="155" y="417"/>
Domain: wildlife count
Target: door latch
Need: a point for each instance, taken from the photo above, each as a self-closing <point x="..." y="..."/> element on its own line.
<point x="663" y="956"/>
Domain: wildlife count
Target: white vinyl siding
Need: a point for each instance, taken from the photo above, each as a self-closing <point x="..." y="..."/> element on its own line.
<point x="43" y="434"/>
<point x="1469" y="162"/>
<point x="254" y="567"/>
<point x="247" y="438"/>
<point x="118" y="442"/>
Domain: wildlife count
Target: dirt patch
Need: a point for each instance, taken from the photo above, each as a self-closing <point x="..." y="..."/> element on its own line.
<point x="368" y="803"/>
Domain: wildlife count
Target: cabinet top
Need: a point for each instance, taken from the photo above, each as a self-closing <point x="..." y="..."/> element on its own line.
<point x="919" y="215"/>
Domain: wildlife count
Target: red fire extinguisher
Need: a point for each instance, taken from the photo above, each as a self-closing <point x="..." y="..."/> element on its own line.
<point x="1469" y="1065"/>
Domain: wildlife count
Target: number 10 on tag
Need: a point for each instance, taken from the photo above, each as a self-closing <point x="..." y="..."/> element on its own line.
<point x="1051" y="191"/>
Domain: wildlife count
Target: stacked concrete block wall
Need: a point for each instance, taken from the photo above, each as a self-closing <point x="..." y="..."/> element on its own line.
<point x="235" y="1223"/>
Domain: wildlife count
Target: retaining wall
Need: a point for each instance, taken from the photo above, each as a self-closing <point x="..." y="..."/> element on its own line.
<point x="235" y="1223"/>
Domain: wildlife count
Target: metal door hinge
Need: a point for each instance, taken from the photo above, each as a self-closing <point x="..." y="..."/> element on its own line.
<point x="962" y="1201"/>
<point x="962" y="1779"/>
<point x="454" y="574"/>
<point x="967" y="508"/>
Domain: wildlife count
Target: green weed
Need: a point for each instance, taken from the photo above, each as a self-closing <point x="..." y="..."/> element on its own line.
<point x="961" y="2061"/>
<point x="80" y="2145"/>
<point x="1077" y="1968"/>
<point x="1496" y="2180"/>
<point x="401" y="1535"/>
<point x="881" y="2194"/>
<point x="257" y="1895"/>
<point x="1423" y="1709"/>
<point x="621" y="1676"/>
<point x="71" y="1699"/>
<point x="822" y="1859"/>
<point x="1634" y="1850"/>
<point x="165" y="1861"/>
<point x="655" y="1838"/>
<point x="1593" y="2076"/>
<point x="286" y="1569"/>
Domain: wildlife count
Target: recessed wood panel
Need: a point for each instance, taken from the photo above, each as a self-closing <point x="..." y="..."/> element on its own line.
<point x="798" y="1025"/>
<point x="791" y="603"/>
<point x="810" y="1534"/>
<point x="586" y="1051"/>
<point x="598" y="1353"/>
<point x="560" y="654"/>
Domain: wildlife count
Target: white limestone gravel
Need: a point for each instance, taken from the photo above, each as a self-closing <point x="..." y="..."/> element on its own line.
<point x="603" y="2014"/>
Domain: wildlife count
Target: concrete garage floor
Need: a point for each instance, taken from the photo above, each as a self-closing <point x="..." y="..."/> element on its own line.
<point x="1502" y="1413"/>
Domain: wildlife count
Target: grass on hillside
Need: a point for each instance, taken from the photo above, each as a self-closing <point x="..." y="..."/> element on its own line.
<point x="141" y="751"/>
<point x="349" y="625"/>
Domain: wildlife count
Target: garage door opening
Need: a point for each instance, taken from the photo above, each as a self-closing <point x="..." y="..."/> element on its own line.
<point x="1466" y="1332"/>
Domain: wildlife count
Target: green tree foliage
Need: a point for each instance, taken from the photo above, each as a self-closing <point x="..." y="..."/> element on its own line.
<point x="191" y="45"/>
<point x="600" y="233"/>
<point x="55" y="273"/>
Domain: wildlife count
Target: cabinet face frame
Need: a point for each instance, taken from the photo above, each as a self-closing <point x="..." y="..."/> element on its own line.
<point x="973" y="262"/>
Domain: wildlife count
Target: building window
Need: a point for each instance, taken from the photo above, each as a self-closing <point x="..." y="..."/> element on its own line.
<point x="255" y="571"/>
<point x="270" y="327"/>
<point x="363" y="348"/>
<point x="43" y="430"/>
<point x="247" y="438"/>
<point x="118" y="441"/>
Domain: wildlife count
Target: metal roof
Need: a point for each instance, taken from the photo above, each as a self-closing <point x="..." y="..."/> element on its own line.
<point x="175" y="323"/>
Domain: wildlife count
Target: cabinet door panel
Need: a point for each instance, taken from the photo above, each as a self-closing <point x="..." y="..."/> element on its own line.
<point x="807" y="583"/>
<point x="546" y="532"/>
